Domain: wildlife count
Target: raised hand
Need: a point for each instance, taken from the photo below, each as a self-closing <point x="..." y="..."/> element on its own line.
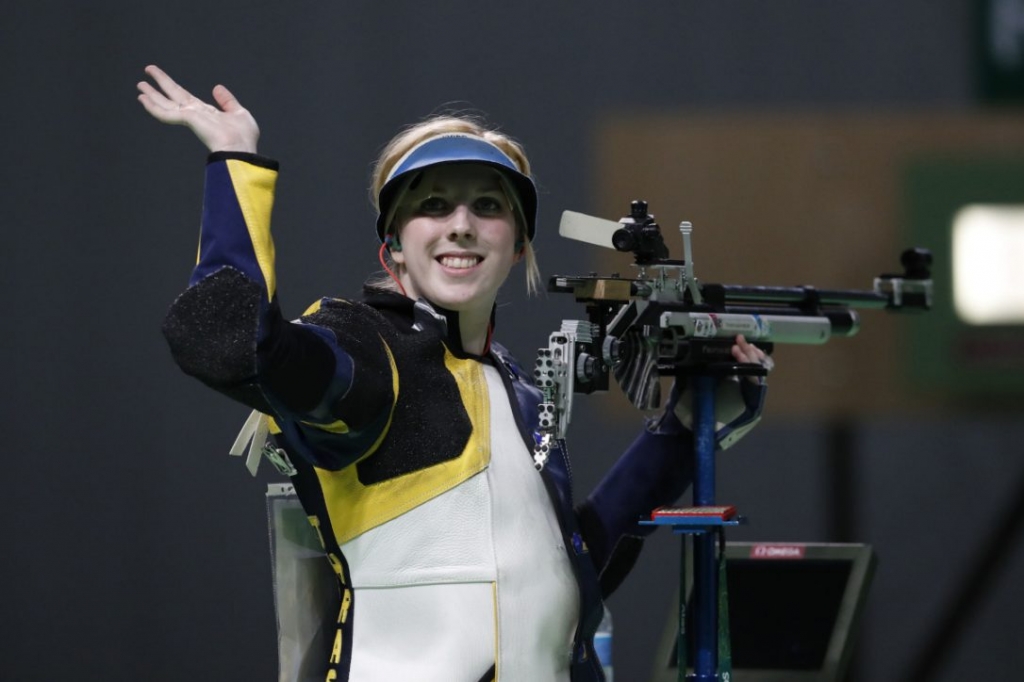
<point x="226" y="127"/>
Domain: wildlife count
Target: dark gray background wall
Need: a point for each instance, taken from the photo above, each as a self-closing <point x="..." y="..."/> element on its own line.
<point x="135" y="549"/>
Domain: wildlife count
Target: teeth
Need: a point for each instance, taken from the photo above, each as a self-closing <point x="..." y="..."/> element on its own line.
<point x="459" y="263"/>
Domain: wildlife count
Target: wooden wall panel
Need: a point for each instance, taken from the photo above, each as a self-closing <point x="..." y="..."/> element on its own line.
<point x="788" y="199"/>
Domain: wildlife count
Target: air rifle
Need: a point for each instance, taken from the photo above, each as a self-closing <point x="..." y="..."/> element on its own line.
<point x="665" y="322"/>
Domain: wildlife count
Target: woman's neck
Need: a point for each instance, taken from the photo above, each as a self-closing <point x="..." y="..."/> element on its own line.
<point x="475" y="328"/>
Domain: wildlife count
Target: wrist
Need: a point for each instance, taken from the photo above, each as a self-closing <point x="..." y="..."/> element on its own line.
<point x="248" y="157"/>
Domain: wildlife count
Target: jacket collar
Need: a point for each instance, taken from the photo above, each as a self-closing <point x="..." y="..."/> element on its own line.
<point x="423" y="315"/>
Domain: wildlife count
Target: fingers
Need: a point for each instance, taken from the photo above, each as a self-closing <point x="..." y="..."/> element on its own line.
<point x="157" y="105"/>
<point x="744" y="351"/>
<point x="171" y="97"/>
<point x="167" y="103"/>
<point x="171" y="89"/>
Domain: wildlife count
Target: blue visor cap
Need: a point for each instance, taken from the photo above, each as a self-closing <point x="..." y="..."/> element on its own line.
<point x="457" y="148"/>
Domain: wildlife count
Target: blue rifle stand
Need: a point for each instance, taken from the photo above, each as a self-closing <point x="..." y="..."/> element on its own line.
<point x="703" y="522"/>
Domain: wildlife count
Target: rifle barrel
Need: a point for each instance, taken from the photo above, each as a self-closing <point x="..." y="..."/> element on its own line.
<point x="732" y="294"/>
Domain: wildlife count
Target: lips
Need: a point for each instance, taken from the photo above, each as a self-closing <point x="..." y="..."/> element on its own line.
<point x="459" y="262"/>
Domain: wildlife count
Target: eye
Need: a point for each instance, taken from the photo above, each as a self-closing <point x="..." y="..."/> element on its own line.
<point x="434" y="206"/>
<point x="488" y="205"/>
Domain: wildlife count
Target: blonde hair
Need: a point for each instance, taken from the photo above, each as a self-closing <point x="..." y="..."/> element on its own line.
<point x="443" y="125"/>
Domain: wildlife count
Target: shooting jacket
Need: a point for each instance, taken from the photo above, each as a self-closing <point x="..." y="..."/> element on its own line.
<point x="389" y="423"/>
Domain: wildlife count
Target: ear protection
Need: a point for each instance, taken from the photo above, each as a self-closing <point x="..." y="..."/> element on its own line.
<point x="392" y="243"/>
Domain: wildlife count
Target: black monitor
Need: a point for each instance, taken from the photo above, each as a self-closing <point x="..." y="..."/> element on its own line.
<point x="794" y="609"/>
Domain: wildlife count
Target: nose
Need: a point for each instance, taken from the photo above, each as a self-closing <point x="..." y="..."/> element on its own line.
<point x="461" y="223"/>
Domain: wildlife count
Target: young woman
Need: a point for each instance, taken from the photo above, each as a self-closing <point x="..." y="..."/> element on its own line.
<point x="458" y="557"/>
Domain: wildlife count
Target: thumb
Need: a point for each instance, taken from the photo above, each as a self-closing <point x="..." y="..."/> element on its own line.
<point x="225" y="99"/>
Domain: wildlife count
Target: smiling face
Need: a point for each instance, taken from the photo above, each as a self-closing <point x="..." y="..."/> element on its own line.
<point x="458" y="234"/>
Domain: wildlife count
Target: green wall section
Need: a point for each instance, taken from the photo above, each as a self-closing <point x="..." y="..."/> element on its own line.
<point x="944" y="352"/>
